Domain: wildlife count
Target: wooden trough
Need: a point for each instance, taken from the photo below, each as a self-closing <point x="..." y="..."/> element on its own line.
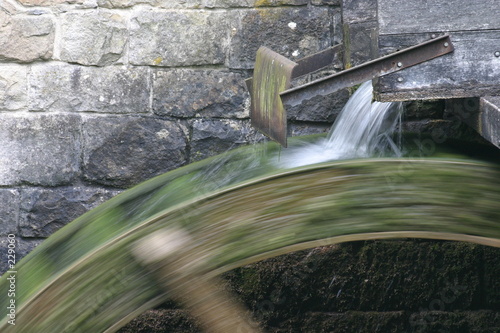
<point x="469" y="77"/>
<point x="467" y="74"/>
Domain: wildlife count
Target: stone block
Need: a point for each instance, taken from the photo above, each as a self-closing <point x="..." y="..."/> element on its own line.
<point x="448" y="279"/>
<point x="96" y="37"/>
<point x="360" y="43"/>
<point x="13" y="87"/>
<point x="178" y="38"/>
<point x="269" y="3"/>
<point x="491" y="273"/>
<point x="326" y="2"/>
<point x="131" y="3"/>
<point x="299" y="129"/>
<point x="199" y="93"/>
<point x="23" y="247"/>
<point x="177" y="320"/>
<point x="385" y="276"/>
<point x="9" y="211"/>
<point x="320" y="108"/>
<point x="51" y="2"/>
<point x="197" y="4"/>
<point x="169" y="4"/>
<point x="437" y="131"/>
<point x="349" y="321"/>
<point x="67" y="88"/>
<point x="26" y="38"/>
<point x="293" y="32"/>
<point x="422" y="109"/>
<point x="212" y="137"/>
<point x="356" y="11"/>
<point x="39" y="149"/>
<point x="123" y="151"/>
<point x="44" y="211"/>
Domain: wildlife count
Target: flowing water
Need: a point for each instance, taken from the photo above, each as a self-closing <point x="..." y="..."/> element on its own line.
<point x="364" y="128"/>
<point x="240" y="207"/>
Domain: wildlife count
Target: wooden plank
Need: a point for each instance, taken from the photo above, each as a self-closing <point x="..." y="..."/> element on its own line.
<point x="473" y="69"/>
<point x="272" y="75"/>
<point x="489" y="113"/>
<point x="418" y="16"/>
<point x="482" y="114"/>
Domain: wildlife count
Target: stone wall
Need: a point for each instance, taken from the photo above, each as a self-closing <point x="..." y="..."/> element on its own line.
<point x="364" y="287"/>
<point x="99" y="95"/>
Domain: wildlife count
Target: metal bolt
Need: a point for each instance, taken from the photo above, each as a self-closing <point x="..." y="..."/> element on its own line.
<point x="497" y="54"/>
<point x="400" y="64"/>
<point x="446" y="44"/>
<point x="433" y="36"/>
<point x="400" y="79"/>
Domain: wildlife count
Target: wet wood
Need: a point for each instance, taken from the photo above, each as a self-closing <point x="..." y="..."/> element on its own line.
<point x="272" y="75"/>
<point x="473" y="69"/>
<point x="482" y="114"/>
<point x="237" y="208"/>
<point x="400" y="17"/>
<point x="489" y="108"/>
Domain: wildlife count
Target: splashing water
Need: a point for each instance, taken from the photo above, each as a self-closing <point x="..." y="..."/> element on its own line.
<point x="363" y="129"/>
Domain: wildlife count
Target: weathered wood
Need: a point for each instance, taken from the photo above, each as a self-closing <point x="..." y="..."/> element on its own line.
<point x="382" y="66"/>
<point x="482" y="114"/>
<point x="489" y="114"/>
<point x="418" y="16"/>
<point x="272" y="75"/>
<point x="236" y="209"/>
<point x="473" y="69"/>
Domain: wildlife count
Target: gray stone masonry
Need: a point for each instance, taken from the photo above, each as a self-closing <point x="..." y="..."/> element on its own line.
<point x="99" y="95"/>
<point x="292" y="32"/>
<point x="43" y="211"/>
<point x="178" y="38"/>
<point x="8" y="216"/>
<point x="26" y="38"/>
<point x="123" y="151"/>
<point x="188" y="93"/>
<point x="211" y="137"/>
<point x="39" y="149"/>
<point x="62" y="87"/>
<point x="93" y="38"/>
<point x="13" y="87"/>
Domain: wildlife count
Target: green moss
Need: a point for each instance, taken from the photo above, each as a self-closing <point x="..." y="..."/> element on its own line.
<point x="397" y="286"/>
<point x="267" y="3"/>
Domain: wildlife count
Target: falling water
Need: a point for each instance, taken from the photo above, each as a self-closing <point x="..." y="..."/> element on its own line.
<point x="363" y="129"/>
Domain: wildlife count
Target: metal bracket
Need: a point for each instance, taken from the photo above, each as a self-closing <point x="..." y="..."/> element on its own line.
<point x="270" y="89"/>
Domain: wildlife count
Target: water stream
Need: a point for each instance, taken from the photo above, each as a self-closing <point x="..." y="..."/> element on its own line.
<point x="243" y="206"/>
<point x="364" y="128"/>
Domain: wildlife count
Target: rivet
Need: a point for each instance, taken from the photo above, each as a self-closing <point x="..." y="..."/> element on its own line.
<point x="400" y="64"/>
<point x="400" y="79"/>
<point x="446" y="44"/>
<point x="497" y="54"/>
<point x="433" y="36"/>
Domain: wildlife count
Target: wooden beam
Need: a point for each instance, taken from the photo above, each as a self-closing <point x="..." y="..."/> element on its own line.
<point x="417" y="16"/>
<point x="482" y="114"/>
<point x="489" y="113"/>
<point x="473" y="69"/>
